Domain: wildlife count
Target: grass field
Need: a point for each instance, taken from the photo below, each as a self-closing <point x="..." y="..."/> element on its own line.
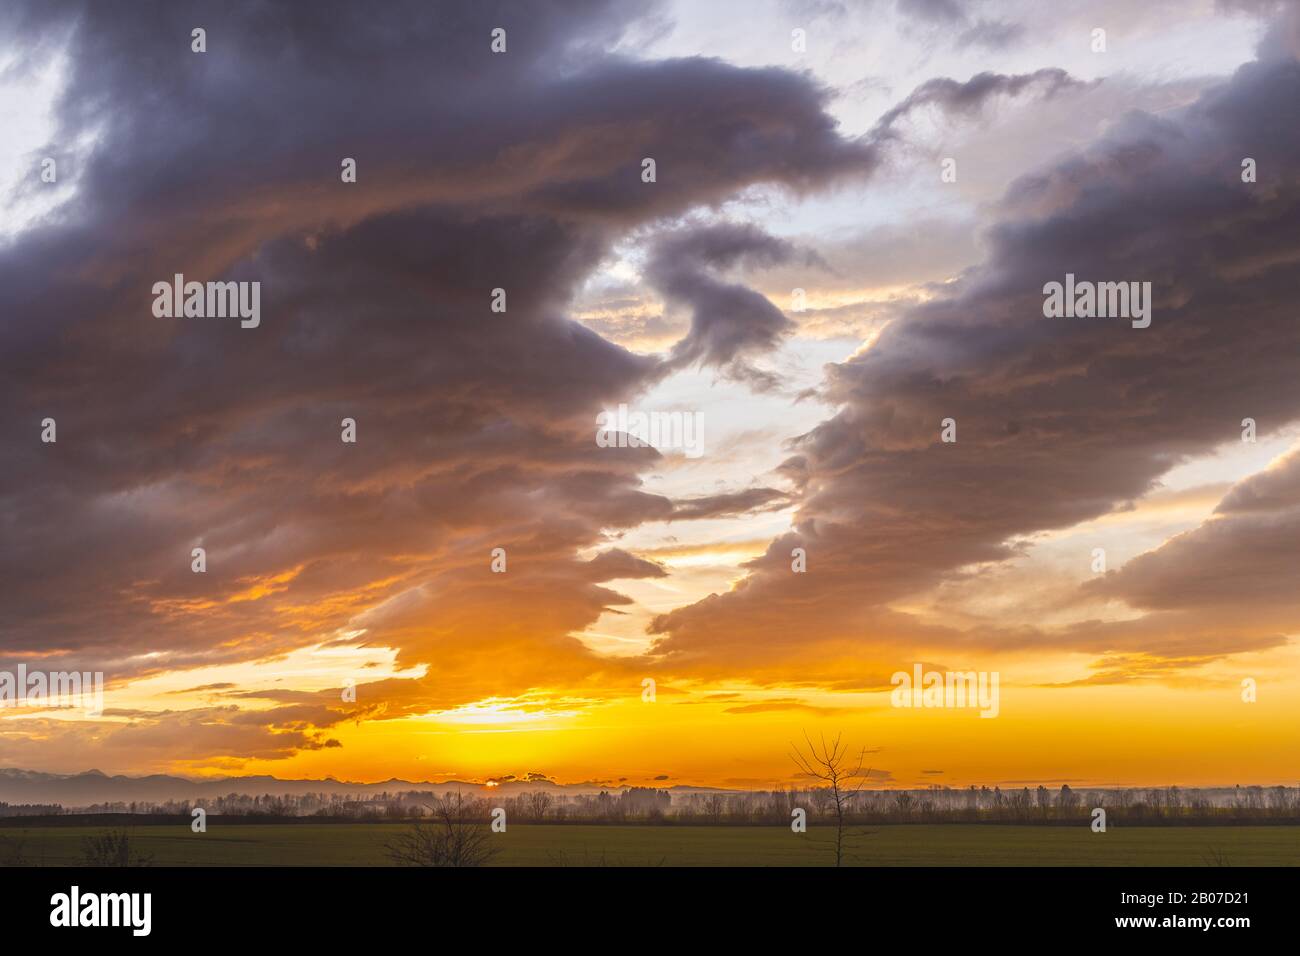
<point x="523" y="845"/>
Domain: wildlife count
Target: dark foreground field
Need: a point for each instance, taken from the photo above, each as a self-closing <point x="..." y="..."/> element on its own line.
<point x="524" y="845"/>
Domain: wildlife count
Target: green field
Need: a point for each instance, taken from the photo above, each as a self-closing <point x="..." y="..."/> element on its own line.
<point x="523" y="845"/>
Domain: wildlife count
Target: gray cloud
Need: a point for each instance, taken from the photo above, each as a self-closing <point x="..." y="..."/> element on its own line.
<point x="970" y="96"/>
<point x="475" y="429"/>
<point x="1242" y="560"/>
<point x="731" y="503"/>
<point x="991" y="35"/>
<point x="1058" y="421"/>
<point x="942" y="11"/>
<point x="729" y="322"/>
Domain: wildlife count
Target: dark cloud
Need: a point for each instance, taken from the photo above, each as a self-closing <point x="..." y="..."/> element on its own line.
<point x="969" y="98"/>
<point x="475" y="428"/>
<point x="1058" y="421"/>
<point x="1242" y="560"/>
<point x="730" y="323"/>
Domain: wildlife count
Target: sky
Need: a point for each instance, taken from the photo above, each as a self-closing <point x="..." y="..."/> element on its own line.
<point x="841" y="246"/>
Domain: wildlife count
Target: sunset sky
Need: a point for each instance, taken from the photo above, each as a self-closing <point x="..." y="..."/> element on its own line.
<point x="780" y="165"/>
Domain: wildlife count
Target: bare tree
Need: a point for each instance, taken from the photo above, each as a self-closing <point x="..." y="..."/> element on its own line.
<point x="842" y="776"/>
<point x="714" y="805"/>
<point x="457" y="835"/>
<point x="539" y="801"/>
